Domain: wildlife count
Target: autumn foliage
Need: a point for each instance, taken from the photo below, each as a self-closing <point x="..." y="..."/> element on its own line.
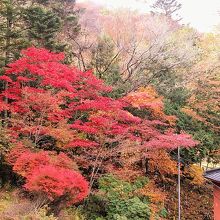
<point x="54" y="110"/>
<point x="52" y="174"/>
<point x="196" y="174"/>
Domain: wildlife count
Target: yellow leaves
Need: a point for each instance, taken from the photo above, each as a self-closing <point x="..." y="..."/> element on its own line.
<point x="209" y="59"/>
<point x="60" y="144"/>
<point x="180" y="38"/>
<point x="196" y="173"/>
<point x="210" y="42"/>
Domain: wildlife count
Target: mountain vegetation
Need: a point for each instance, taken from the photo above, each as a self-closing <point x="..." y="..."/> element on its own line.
<point x="94" y="104"/>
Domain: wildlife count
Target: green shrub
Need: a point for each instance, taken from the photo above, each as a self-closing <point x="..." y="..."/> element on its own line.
<point x="116" y="200"/>
<point x="122" y="201"/>
<point x="132" y="208"/>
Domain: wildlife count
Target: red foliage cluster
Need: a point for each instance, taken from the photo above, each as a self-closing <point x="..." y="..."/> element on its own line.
<point x="57" y="182"/>
<point x="44" y="92"/>
<point x="171" y="141"/>
<point x="51" y="174"/>
<point x="16" y="152"/>
<point x="82" y="143"/>
<point x="28" y="161"/>
<point x="49" y="100"/>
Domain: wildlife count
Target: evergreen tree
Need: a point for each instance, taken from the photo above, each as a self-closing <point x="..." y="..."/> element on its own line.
<point x="11" y="31"/>
<point x="43" y="26"/>
<point x="12" y="40"/>
<point x="68" y="16"/>
<point x="69" y="25"/>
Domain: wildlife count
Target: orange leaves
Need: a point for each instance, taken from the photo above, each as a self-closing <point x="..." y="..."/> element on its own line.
<point x="145" y="98"/>
<point x="205" y="99"/>
<point x="157" y="197"/>
<point x="148" y="99"/>
<point x="62" y="133"/>
<point x="151" y="190"/>
<point x="161" y="161"/>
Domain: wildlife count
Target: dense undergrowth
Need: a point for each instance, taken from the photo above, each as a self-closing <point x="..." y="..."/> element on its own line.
<point x="15" y="205"/>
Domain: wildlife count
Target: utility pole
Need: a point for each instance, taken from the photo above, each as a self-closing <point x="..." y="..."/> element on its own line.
<point x="179" y="195"/>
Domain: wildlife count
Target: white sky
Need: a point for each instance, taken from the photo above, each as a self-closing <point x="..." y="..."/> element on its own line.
<point x="201" y="14"/>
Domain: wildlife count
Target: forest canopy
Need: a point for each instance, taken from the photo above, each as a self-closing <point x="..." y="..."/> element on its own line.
<point x="94" y="104"/>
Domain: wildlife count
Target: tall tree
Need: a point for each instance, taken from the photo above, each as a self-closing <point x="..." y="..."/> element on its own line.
<point x="167" y="7"/>
<point x="42" y="27"/>
<point x="36" y="22"/>
<point x="105" y="63"/>
<point x="11" y="31"/>
<point x="70" y="27"/>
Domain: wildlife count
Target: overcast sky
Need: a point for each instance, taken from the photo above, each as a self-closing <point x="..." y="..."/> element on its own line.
<point x="201" y="14"/>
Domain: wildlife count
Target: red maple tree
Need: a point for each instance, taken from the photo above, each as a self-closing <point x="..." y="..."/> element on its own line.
<point x="52" y="108"/>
